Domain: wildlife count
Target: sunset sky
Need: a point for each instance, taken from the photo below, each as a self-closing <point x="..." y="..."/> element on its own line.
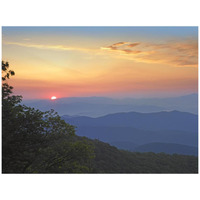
<point x="102" y="61"/>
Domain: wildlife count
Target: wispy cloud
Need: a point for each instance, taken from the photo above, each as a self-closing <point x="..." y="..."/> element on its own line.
<point x="122" y="47"/>
<point x="50" y="47"/>
<point x="133" y="44"/>
<point x="181" y="53"/>
<point x="119" y="43"/>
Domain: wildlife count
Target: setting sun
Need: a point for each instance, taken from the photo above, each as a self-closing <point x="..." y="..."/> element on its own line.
<point x="53" y="98"/>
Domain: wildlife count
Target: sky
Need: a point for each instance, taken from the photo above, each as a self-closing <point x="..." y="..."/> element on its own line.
<point x="102" y="61"/>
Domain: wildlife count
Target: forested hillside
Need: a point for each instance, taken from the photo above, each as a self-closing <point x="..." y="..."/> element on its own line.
<point x="41" y="142"/>
<point x="111" y="160"/>
<point x="169" y="148"/>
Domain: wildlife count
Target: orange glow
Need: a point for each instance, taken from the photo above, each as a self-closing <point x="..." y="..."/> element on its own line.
<point x="82" y="65"/>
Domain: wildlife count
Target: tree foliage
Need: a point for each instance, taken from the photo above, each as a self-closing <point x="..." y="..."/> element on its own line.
<point x="109" y="159"/>
<point x="35" y="141"/>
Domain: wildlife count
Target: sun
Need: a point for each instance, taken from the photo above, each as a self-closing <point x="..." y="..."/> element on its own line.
<point x="53" y="98"/>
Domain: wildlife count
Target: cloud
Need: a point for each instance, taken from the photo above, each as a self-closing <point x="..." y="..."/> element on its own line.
<point x="112" y="47"/>
<point x="51" y="47"/>
<point x="182" y="53"/>
<point x="122" y="49"/>
<point x="133" y="44"/>
<point x="119" y="43"/>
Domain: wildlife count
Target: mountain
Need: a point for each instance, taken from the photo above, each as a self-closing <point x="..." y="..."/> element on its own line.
<point x="130" y="130"/>
<point x="118" y="136"/>
<point x="169" y="148"/>
<point x="100" y="106"/>
<point x="173" y="120"/>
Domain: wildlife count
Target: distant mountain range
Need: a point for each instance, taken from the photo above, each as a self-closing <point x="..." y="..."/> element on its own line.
<point x="131" y="130"/>
<point x="100" y="106"/>
<point x="173" y="120"/>
<point x="170" y="123"/>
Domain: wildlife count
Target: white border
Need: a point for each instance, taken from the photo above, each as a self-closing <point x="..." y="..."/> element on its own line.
<point x="99" y="13"/>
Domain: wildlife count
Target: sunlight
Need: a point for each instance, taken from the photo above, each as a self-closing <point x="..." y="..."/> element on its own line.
<point x="53" y="98"/>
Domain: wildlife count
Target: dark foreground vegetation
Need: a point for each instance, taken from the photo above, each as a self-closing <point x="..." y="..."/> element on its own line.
<point x="40" y="142"/>
<point x="111" y="160"/>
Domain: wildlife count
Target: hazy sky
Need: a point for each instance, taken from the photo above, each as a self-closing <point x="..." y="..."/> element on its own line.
<point x="102" y="61"/>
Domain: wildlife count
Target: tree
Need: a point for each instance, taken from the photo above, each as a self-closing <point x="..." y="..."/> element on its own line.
<point x="35" y="141"/>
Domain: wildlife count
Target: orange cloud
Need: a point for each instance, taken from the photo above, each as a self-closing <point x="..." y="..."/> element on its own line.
<point x="181" y="53"/>
<point x="133" y="44"/>
<point x="117" y="47"/>
<point x="119" y="43"/>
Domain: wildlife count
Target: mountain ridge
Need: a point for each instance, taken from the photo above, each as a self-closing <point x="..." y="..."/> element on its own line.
<point x="129" y="130"/>
<point x="100" y="106"/>
<point x="173" y="120"/>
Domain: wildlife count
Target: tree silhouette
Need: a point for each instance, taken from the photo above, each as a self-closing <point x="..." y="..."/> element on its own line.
<point x="35" y="141"/>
